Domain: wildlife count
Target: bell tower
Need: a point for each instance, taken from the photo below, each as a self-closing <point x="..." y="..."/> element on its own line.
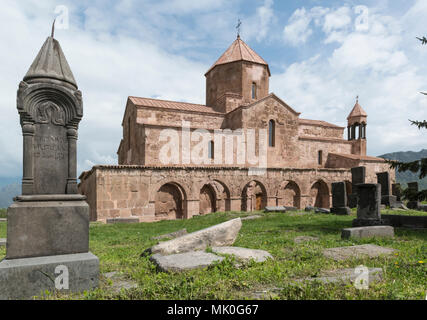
<point x="357" y="121"/>
<point x="239" y="76"/>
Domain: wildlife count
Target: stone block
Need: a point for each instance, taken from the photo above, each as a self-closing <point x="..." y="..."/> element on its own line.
<point x="49" y="228"/>
<point x="413" y="205"/>
<point x="122" y="220"/>
<point x="368" y="205"/>
<point x="383" y="179"/>
<point x="244" y="254"/>
<point x="358" y="175"/>
<point x="275" y="209"/>
<point x="339" y="195"/>
<point x="342" y="211"/>
<point x="388" y="201"/>
<point x="368" y="232"/>
<point x="352" y="200"/>
<point x="345" y="276"/>
<point x="22" y="279"/>
<point x="184" y="261"/>
<point x="171" y="235"/>
<point x="362" y="251"/>
<point x="220" y="235"/>
<point x="3" y="242"/>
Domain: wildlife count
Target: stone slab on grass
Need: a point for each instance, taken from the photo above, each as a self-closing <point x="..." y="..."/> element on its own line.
<point x="362" y="251"/>
<point x="251" y="218"/>
<point x="122" y="220"/>
<point x="3" y="242"/>
<point x="185" y="261"/>
<point x="244" y="254"/>
<point x="345" y="275"/>
<point x="275" y="209"/>
<point x="303" y="239"/>
<point x="3" y="220"/>
<point x="368" y="232"/>
<point x="172" y="235"/>
<point x="220" y="235"/>
<point x="120" y="282"/>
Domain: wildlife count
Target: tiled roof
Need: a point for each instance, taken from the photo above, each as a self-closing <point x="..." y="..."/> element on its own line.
<point x="319" y="123"/>
<point x="357" y="111"/>
<point x="358" y="157"/>
<point x="164" y="104"/>
<point x="239" y="51"/>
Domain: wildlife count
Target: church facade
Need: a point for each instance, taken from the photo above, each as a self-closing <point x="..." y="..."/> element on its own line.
<point x="244" y="150"/>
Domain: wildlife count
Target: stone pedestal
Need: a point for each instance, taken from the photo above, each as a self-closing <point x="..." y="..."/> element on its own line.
<point x="413" y="205"/>
<point x="25" y="278"/>
<point x="388" y="201"/>
<point x="37" y="227"/>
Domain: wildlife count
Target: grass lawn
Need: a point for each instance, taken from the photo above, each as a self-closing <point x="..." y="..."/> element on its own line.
<point x="119" y="247"/>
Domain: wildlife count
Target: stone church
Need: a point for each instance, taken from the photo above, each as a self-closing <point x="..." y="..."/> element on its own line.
<point x="214" y="151"/>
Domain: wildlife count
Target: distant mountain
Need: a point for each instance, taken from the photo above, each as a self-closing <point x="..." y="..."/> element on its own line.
<point x="7" y="193"/>
<point x="408" y="156"/>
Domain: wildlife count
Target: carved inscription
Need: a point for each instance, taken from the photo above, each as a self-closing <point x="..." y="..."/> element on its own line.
<point x="50" y="147"/>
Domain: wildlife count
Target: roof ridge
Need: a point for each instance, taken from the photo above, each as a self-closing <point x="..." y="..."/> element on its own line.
<point x="195" y="104"/>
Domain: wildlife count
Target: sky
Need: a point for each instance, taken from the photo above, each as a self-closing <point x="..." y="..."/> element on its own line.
<point x="322" y="54"/>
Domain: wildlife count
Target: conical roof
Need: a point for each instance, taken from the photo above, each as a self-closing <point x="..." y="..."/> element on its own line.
<point x="357" y="111"/>
<point x="239" y="51"/>
<point x="50" y="63"/>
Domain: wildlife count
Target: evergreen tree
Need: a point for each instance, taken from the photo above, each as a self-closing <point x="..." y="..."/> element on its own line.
<point x="420" y="165"/>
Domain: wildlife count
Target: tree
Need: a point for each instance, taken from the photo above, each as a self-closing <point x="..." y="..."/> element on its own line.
<point x="420" y="165"/>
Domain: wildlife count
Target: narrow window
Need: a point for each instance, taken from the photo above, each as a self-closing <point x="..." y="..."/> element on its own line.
<point x="253" y="91"/>
<point x="211" y="150"/>
<point x="129" y="135"/>
<point x="272" y="133"/>
<point x="320" y="157"/>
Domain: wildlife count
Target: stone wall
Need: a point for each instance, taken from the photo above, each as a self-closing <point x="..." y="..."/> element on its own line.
<point x="154" y="194"/>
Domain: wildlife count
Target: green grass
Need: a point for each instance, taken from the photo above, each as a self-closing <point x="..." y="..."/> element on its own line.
<point x="119" y="248"/>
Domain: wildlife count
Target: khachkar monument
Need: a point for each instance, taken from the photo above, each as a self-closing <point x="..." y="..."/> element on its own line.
<point x="48" y="226"/>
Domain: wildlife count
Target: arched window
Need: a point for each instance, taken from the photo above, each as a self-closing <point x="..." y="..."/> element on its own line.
<point x="253" y="90"/>
<point x="272" y="133"/>
<point x="320" y="157"/>
<point x="211" y="150"/>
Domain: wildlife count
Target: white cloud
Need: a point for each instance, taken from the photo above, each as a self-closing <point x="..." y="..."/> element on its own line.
<point x="375" y="64"/>
<point x="298" y="30"/>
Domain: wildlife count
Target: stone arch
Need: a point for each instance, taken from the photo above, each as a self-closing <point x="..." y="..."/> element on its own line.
<point x="223" y="196"/>
<point x="319" y="194"/>
<point x="289" y="195"/>
<point x="207" y="200"/>
<point x="170" y="202"/>
<point x="254" y="196"/>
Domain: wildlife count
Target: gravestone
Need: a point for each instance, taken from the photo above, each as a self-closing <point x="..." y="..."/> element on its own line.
<point x="387" y="199"/>
<point x="358" y="176"/>
<point x="368" y="205"/>
<point x="48" y="225"/>
<point x="413" y="203"/>
<point x="339" y="199"/>
<point x="396" y="191"/>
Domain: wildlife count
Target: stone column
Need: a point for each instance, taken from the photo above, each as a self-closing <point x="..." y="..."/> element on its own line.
<point x="72" y="160"/>
<point x="28" y="132"/>
<point x="235" y="204"/>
